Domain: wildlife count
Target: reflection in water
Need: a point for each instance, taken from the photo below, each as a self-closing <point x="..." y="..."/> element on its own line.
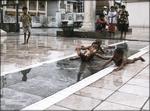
<point x="124" y="46"/>
<point x="3" y="83"/>
<point x="50" y="78"/>
<point x="82" y="70"/>
<point x="24" y="73"/>
<point x="117" y="80"/>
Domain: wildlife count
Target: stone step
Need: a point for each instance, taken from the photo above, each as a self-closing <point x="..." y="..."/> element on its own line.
<point x="72" y="33"/>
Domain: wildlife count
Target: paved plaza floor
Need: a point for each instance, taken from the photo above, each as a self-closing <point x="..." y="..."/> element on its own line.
<point x="42" y="48"/>
<point x="127" y="89"/>
<point x="35" y="71"/>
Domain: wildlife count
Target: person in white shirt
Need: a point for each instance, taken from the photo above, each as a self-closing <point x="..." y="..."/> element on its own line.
<point x="112" y="21"/>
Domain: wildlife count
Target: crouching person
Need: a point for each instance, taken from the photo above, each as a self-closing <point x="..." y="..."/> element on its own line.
<point x="118" y="59"/>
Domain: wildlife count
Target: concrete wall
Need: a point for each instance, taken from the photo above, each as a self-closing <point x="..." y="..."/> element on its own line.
<point x="52" y="7"/>
<point x="138" y="14"/>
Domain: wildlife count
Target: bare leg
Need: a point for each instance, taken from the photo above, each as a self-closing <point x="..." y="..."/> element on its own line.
<point x="130" y="61"/>
<point x="102" y="57"/>
<point x="28" y="37"/>
<point x="121" y="35"/>
<point x="125" y="35"/>
<point x="24" y="38"/>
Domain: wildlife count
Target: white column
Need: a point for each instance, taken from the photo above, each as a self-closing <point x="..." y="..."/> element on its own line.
<point x="111" y="3"/>
<point x="37" y="7"/>
<point x="59" y="5"/>
<point x="4" y="7"/>
<point x="58" y="18"/>
<point x="28" y="4"/>
<point x="45" y="8"/>
<point x="89" y="15"/>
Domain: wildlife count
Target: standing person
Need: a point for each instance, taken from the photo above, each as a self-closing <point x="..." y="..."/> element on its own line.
<point x="123" y="21"/>
<point x="112" y="20"/>
<point x="26" y="24"/>
<point x="117" y="10"/>
<point x="105" y="12"/>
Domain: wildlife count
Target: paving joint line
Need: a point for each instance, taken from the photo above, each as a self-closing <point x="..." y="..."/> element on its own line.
<point x="144" y="104"/>
<point x="50" y="61"/>
<point x="74" y="88"/>
<point x="120" y="87"/>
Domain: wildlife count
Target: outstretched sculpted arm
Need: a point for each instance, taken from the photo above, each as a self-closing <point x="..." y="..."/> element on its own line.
<point x="102" y="57"/>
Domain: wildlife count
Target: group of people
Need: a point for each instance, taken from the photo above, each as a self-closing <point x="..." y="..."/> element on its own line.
<point x="115" y="20"/>
<point x="86" y="54"/>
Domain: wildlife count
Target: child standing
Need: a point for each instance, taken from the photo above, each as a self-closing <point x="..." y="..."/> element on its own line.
<point x="26" y="24"/>
<point x="118" y="59"/>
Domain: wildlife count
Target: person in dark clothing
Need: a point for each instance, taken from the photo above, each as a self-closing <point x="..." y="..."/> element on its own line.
<point x="123" y="21"/>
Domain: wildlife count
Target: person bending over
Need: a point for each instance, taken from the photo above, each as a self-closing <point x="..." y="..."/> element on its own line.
<point x="87" y="53"/>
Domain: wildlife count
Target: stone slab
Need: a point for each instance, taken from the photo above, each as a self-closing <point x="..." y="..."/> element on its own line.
<point x="76" y="102"/>
<point x="15" y="100"/>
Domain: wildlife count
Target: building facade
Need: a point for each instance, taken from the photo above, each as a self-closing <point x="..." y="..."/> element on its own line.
<point x="138" y="13"/>
<point x="51" y="13"/>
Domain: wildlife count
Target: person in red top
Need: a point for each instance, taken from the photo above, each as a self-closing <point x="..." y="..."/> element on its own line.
<point x="101" y="24"/>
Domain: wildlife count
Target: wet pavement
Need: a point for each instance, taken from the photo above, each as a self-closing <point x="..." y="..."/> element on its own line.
<point x="127" y="89"/>
<point x="43" y="81"/>
<point x="34" y="84"/>
<point x="15" y="55"/>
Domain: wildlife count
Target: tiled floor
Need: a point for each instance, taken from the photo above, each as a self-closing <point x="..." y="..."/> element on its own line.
<point x="96" y="93"/>
<point x="79" y="102"/>
<point x="127" y="89"/>
<point x="14" y="97"/>
<point x="113" y="106"/>
<point x="115" y="91"/>
<point x="128" y="99"/>
<point x="15" y="55"/>
<point x="146" y="106"/>
<point x="133" y="89"/>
